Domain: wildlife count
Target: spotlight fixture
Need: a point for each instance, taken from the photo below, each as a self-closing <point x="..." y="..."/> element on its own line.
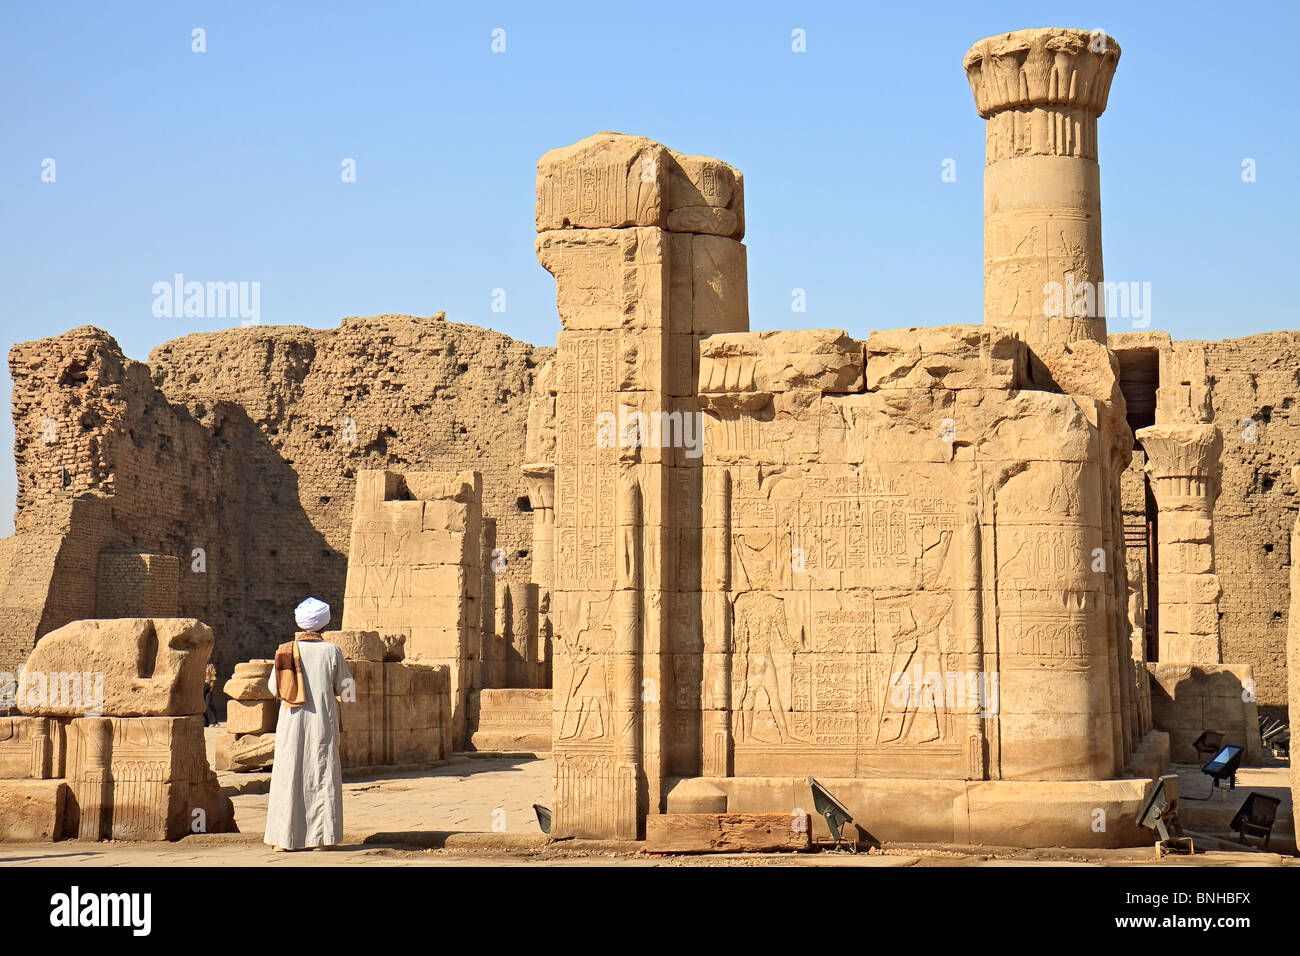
<point x="836" y="814"/>
<point x="543" y="817"/>
<point x="1256" y="816"/>
<point x="1223" y="766"/>
<point x="1208" y="744"/>
<point x="1160" y="813"/>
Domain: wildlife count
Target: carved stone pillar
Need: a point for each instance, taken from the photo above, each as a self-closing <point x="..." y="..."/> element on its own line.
<point x="1293" y="640"/>
<point x="644" y="244"/>
<point x="627" y="661"/>
<point x="1041" y="92"/>
<point x="94" y="783"/>
<point x="1183" y="466"/>
<point x="541" y="495"/>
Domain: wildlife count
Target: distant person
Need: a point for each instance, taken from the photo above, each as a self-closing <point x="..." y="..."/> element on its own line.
<point x="209" y="684"/>
<point x="306" y="805"/>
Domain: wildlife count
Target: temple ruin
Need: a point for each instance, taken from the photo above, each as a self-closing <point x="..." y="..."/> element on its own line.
<point x="982" y="580"/>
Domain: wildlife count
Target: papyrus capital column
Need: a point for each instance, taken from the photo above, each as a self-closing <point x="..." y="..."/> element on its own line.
<point x="1041" y="92"/>
<point x="1183" y="468"/>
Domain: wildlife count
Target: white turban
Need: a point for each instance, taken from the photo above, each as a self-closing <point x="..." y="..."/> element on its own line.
<point x="312" y="615"/>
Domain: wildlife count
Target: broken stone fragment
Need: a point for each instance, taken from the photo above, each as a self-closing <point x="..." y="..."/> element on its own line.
<point x="151" y="667"/>
<point x="617" y="181"/>
<point x="358" y="645"/>
<point x="824" y="360"/>
<point x="243" y="688"/>
<point x="950" y="356"/>
<point x="254" y="670"/>
<point x="245" y="753"/>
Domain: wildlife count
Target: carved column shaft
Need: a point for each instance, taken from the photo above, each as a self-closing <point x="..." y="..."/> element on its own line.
<point x="1183" y="467"/>
<point x="627" y="663"/>
<point x="1041" y="92"/>
<point x="716" y="756"/>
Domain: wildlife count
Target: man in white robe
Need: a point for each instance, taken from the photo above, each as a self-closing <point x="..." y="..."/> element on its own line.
<point x="306" y="802"/>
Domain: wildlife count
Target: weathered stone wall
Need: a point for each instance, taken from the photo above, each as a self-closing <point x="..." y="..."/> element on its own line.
<point x="104" y="461"/>
<point x="245" y="444"/>
<point x="1256" y="380"/>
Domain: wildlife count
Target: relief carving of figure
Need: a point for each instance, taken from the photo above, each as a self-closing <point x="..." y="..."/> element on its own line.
<point x="588" y="691"/>
<point x="912" y="706"/>
<point x="759" y="618"/>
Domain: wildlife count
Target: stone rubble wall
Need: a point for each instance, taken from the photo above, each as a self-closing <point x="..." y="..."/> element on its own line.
<point x="245" y="444"/>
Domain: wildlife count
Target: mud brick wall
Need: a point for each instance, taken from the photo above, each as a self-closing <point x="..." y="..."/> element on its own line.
<point x="132" y="584"/>
<point x="105" y="462"/>
<point x="1256" y="379"/>
<point x="245" y="445"/>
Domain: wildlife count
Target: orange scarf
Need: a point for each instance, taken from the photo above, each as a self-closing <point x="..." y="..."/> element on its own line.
<point x="289" y="685"/>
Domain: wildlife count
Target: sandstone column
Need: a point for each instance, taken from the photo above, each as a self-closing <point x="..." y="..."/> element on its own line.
<point x="1041" y="92"/>
<point x="1183" y="465"/>
<point x="644" y="244"/>
<point x="1293" y="640"/>
<point x="541" y="496"/>
<point x="716" y="757"/>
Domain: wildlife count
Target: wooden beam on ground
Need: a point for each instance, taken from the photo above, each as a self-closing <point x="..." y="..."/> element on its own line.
<point x="726" y="832"/>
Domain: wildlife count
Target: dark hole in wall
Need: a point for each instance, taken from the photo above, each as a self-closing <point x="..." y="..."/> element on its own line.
<point x="1139" y="377"/>
<point x="523" y="504"/>
<point x="146" y="653"/>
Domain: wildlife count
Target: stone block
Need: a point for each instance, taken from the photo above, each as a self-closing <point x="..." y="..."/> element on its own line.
<point x="32" y="748"/>
<point x="241" y="688"/>
<point x="357" y="645"/>
<point x="142" y="778"/>
<point x="32" y="811"/>
<point x="245" y="754"/>
<point x="952" y="356"/>
<point x="251" y="716"/>
<point x="150" y="667"/>
<point x="254" y="670"/>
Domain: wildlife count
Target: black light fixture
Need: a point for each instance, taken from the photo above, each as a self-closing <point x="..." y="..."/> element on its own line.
<point x="836" y="814"/>
<point x="1208" y="743"/>
<point x="1255" y="817"/>
<point x="1223" y="766"/>
<point x="1160" y="813"/>
<point x="543" y="817"/>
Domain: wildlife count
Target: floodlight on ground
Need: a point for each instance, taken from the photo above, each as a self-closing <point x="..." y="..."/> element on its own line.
<point x="1255" y="817"/>
<point x="1208" y="743"/>
<point x="1160" y="813"/>
<point x="836" y="814"/>
<point x="1223" y="766"/>
<point x="543" y="817"/>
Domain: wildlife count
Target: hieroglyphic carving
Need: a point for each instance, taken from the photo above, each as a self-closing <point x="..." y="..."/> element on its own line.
<point x="586" y="471"/>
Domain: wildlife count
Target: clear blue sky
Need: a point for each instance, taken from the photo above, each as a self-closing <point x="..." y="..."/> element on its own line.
<point x="225" y="165"/>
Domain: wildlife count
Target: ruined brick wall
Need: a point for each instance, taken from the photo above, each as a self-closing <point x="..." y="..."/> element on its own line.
<point x="389" y="391"/>
<point x="105" y="462"/>
<point x="1256" y="379"/>
<point x="245" y="444"/>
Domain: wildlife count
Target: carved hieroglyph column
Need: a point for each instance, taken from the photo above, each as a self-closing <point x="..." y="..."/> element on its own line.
<point x="1041" y="92"/>
<point x="644" y="244"/>
<point x="1293" y="640"/>
<point x="1183" y="466"/>
<point x="716" y="724"/>
<point x="627" y="660"/>
<point x="94" y="786"/>
<point x="984" y="699"/>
